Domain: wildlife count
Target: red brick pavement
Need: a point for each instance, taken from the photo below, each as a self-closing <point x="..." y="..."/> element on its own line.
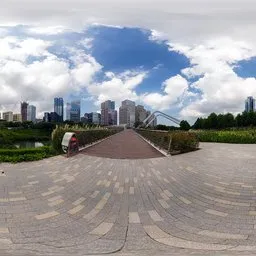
<point x="124" y="145"/>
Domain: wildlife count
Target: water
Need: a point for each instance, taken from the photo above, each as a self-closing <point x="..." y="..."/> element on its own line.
<point x="29" y="144"/>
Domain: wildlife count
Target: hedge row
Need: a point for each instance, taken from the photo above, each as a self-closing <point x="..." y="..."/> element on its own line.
<point x="85" y="137"/>
<point x="31" y="154"/>
<point x="236" y="136"/>
<point x="172" y="142"/>
<point x="11" y="136"/>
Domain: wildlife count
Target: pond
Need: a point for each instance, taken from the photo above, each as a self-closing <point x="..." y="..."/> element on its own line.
<point x="30" y="144"/>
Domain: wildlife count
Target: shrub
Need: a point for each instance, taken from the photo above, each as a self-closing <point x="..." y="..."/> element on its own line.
<point x="20" y="155"/>
<point x="183" y="142"/>
<point x="236" y="136"/>
<point x="173" y="142"/>
<point x="11" y="136"/>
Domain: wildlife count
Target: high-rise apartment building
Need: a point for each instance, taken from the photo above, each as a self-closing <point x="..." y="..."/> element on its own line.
<point x="108" y="113"/>
<point x="59" y="108"/>
<point x="17" y="118"/>
<point x="250" y="104"/>
<point x="31" y="113"/>
<point x="75" y="111"/>
<point x="68" y="109"/>
<point x="112" y="117"/>
<point x="24" y="111"/>
<point x="127" y="113"/>
<point x="8" y="116"/>
<point x="140" y="114"/>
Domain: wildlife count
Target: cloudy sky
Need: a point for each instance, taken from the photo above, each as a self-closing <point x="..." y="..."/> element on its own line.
<point x="187" y="58"/>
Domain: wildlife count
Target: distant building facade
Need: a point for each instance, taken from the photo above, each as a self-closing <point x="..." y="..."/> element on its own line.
<point x="95" y="118"/>
<point x="8" y="116"/>
<point x="140" y="114"/>
<point x="249" y="104"/>
<point x="17" y="118"/>
<point x="91" y="118"/>
<point x="24" y="111"/>
<point x="54" y="117"/>
<point x="112" y="117"/>
<point x="68" y="109"/>
<point x="75" y="111"/>
<point x="59" y="108"/>
<point x="108" y="113"/>
<point x="47" y="117"/>
<point x="31" y="113"/>
<point x="85" y="118"/>
<point x="127" y="113"/>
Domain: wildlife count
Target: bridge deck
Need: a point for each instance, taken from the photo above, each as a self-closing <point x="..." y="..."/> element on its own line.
<point x="124" y="145"/>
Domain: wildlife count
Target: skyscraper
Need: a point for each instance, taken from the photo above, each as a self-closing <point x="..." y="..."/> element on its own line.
<point x="59" y="108"/>
<point x="108" y="113"/>
<point x="127" y="113"/>
<point x="31" y="113"/>
<point x="140" y="114"/>
<point x="250" y="104"/>
<point x="68" y="109"/>
<point x="24" y="111"/>
<point x="112" y="117"/>
<point x="75" y="111"/>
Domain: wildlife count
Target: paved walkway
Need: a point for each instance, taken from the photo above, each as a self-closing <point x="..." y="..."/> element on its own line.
<point x="123" y="145"/>
<point x="197" y="203"/>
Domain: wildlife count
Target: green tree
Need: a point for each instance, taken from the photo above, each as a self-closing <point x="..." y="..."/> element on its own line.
<point x="198" y="124"/>
<point x="229" y="120"/>
<point x="184" y="125"/>
<point x="213" y="121"/>
<point x="221" y="121"/>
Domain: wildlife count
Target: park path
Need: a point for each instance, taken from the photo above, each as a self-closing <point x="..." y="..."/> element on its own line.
<point x="124" y="145"/>
<point x="200" y="203"/>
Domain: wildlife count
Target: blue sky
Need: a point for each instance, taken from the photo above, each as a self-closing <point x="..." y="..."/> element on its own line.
<point x="246" y="68"/>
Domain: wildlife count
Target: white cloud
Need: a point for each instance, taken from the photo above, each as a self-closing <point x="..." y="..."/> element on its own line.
<point x="157" y="36"/>
<point x="117" y="87"/>
<point x="173" y="88"/>
<point x="86" y="43"/>
<point x="181" y="20"/>
<point x="41" y="80"/>
<point x="3" y="32"/>
<point x="222" y="90"/>
<point x="13" y="48"/>
<point x="51" y="30"/>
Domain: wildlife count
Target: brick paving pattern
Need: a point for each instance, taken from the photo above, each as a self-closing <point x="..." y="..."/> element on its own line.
<point x="124" y="145"/>
<point x="200" y="203"/>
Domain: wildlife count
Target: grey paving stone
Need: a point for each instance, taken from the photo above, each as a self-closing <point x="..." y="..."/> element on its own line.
<point x="173" y="193"/>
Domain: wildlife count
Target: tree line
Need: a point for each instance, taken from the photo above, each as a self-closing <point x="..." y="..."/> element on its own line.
<point x="222" y="121"/>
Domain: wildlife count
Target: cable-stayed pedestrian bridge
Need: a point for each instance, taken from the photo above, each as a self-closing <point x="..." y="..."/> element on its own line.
<point x="150" y="119"/>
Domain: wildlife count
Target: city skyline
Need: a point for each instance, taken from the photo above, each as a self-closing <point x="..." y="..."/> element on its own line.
<point x="128" y="113"/>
